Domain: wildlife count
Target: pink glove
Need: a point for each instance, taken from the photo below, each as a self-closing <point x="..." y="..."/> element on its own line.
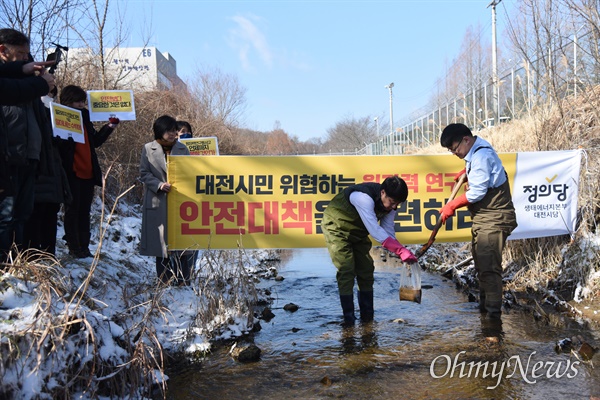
<point x="458" y="175"/>
<point x="448" y="210"/>
<point x="395" y="247"/>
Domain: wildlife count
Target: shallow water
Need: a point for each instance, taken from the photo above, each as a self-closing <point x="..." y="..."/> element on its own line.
<point x="411" y="351"/>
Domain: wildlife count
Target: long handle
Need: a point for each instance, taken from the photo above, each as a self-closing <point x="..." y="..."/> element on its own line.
<point x="461" y="180"/>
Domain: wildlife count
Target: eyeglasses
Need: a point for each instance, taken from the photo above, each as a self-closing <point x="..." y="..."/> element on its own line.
<point x="457" y="146"/>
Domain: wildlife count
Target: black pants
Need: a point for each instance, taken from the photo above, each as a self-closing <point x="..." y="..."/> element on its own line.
<point x="16" y="210"/>
<point x="77" y="214"/>
<point x="40" y="230"/>
<point x="175" y="269"/>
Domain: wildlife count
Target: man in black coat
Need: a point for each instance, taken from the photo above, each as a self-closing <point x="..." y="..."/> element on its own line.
<point x="20" y="136"/>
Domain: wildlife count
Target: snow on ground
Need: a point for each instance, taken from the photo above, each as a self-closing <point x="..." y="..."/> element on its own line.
<point x="121" y="300"/>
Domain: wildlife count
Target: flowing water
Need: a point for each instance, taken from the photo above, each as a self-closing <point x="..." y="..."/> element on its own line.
<point x="436" y="349"/>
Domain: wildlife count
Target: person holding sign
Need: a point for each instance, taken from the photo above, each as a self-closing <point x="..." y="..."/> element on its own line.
<point x="350" y="217"/>
<point x="490" y="204"/>
<point x="184" y="130"/>
<point x="83" y="171"/>
<point x="170" y="267"/>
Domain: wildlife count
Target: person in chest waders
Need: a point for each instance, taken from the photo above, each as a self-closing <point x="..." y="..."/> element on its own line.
<point x="490" y="204"/>
<point x="350" y="217"/>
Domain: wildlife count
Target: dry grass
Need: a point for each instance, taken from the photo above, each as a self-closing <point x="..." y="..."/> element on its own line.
<point x="60" y="340"/>
<point x="225" y="285"/>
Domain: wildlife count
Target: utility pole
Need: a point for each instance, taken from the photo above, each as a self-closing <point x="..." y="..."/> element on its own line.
<point x="390" y="86"/>
<point x="495" y="83"/>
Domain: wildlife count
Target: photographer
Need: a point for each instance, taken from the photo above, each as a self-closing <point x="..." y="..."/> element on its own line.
<point x="23" y="128"/>
<point x="18" y="85"/>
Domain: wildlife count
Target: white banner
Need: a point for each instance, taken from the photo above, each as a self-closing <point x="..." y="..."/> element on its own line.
<point x="104" y="104"/>
<point x="545" y="193"/>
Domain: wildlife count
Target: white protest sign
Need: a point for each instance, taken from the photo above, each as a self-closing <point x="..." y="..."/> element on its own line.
<point x="67" y="122"/>
<point x="104" y="104"/>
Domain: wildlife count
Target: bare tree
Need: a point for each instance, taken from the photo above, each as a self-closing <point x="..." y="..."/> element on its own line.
<point x="539" y="35"/>
<point x="279" y="143"/>
<point x="43" y="21"/>
<point x="100" y="29"/>
<point x="217" y="104"/>
<point x="219" y="96"/>
<point x="351" y="134"/>
<point x="585" y="16"/>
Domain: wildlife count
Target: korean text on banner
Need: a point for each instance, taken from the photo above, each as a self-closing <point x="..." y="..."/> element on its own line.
<point x="545" y="193"/>
<point x="204" y="146"/>
<point x="67" y="122"/>
<point x="104" y="104"/>
<point x="278" y="202"/>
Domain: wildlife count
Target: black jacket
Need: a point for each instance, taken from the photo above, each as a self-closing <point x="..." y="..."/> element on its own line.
<point x="15" y="88"/>
<point x="51" y="183"/>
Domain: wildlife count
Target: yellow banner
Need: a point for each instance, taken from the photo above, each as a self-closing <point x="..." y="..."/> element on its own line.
<point x="223" y="202"/>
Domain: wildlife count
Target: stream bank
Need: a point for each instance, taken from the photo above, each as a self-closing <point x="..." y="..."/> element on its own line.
<point x="410" y="351"/>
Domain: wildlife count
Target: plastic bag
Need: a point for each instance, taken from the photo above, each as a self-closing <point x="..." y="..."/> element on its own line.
<point x="410" y="283"/>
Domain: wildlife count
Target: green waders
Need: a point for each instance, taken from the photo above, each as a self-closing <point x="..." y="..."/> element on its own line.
<point x="349" y="244"/>
<point x="494" y="219"/>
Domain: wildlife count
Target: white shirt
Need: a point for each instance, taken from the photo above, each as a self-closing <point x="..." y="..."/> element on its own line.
<point x="484" y="170"/>
<point x="365" y="206"/>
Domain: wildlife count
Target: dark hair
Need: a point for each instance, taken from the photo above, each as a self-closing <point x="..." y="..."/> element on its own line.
<point x="396" y="188"/>
<point x="13" y="37"/>
<point x="184" y="124"/>
<point x="72" y="94"/>
<point x="454" y="133"/>
<point x="164" y="124"/>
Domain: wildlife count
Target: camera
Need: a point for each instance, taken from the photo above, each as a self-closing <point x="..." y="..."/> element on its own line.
<point x="56" y="56"/>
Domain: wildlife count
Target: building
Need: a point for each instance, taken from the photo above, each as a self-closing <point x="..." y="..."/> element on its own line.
<point x="135" y="68"/>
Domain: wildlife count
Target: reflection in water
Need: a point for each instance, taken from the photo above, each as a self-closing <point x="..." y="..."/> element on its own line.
<point x="358" y="338"/>
<point x="410" y="351"/>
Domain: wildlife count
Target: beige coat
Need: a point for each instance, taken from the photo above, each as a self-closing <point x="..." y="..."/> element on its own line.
<point x="153" y="173"/>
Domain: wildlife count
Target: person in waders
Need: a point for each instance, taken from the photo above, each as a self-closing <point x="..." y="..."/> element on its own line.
<point x="350" y="217"/>
<point x="490" y="204"/>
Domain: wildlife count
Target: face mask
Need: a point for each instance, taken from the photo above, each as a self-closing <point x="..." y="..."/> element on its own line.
<point x="186" y="135"/>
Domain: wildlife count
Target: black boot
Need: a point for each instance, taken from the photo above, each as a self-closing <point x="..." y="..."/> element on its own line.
<point x="365" y="303"/>
<point x="347" y="301"/>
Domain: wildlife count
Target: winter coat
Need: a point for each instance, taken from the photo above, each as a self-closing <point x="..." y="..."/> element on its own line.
<point x="17" y="88"/>
<point x="21" y="135"/>
<point x="96" y="139"/>
<point x="153" y="173"/>
<point x="51" y="183"/>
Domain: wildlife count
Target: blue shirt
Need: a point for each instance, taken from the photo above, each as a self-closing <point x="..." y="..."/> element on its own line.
<point x="484" y="170"/>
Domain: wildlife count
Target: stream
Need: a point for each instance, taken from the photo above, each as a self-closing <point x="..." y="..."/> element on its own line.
<point x="433" y="350"/>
